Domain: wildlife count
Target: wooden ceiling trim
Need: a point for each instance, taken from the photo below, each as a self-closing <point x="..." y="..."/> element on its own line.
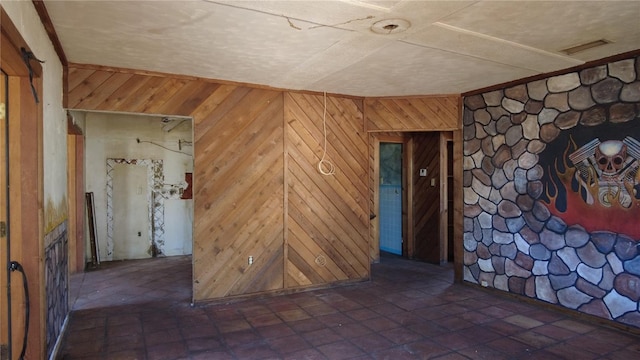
<point x="41" y="9"/>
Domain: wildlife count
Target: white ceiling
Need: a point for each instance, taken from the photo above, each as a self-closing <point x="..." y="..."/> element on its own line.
<point x="450" y="47"/>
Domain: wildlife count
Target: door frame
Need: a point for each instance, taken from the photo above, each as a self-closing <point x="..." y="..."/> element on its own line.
<point x="407" y="192"/>
<point x="155" y="205"/>
<point x="26" y="222"/>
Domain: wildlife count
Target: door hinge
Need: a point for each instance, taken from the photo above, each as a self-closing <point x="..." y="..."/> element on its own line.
<point x="3" y="229"/>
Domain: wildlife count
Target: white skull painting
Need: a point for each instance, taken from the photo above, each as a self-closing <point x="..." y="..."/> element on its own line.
<point x="610" y="157"/>
<point x="611" y="167"/>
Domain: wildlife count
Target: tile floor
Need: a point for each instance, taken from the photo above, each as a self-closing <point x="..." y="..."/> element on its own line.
<point x="410" y="310"/>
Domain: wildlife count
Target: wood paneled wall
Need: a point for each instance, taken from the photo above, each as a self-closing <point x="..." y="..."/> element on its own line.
<point x="426" y="197"/>
<point x="328" y="215"/>
<point x="433" y="113"/>
<point x="257" y="191"/>
<point x="239" y="198"/>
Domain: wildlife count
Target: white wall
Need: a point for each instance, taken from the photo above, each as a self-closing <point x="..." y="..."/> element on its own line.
<point x="26" y="19"/>
<point x="109" y="135"/>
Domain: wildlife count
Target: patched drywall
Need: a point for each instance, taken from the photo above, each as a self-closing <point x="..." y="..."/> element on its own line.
<point x="167" y="153"/>
<point x="552" y="190"/>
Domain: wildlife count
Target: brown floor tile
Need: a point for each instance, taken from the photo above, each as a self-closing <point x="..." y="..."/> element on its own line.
<point x="320" y="337"/>
<point x="238" y="338"/>
<point x="372" y="342"/>
<point x="293" y="315"/>
<point x="523" y="321"/>
<point x="427" y="349"/>
<point x="288" y="344"/>
<point x="410" y="310"/>
<point x="275" y="331"/>
<point x="204" y="344"/>
<point x="340" y="350"/>
<point x="511" y="346"/>
<point x="380" y="323"/>
<point x="481" y="351"/>
<point x="167" y="351"/>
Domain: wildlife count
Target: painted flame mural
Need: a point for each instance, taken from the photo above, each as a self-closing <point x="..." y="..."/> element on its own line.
<point x="597" y="185"/>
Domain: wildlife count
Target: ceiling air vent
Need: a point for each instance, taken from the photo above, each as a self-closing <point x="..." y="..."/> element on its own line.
<point x="586" y="46"/>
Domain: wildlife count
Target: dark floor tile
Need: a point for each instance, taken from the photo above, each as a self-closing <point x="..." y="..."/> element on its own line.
<point x="275" y="331"/>
<point x="255" y="351"/>
<point x="362" y="314"/>
<point x="401" y="335"/>
<point x="306" y="325"/>
<point x="372" y="342"/>
<point x="240" y="337"/>
<point x="510" y="346"/>
<point x="340" y="350"/>
<point x="210" y="355"/>
<point x="167" y="351"/>
<point x="264" y="320"/>
<point x="534" y="339"/>
<point x="229" y="326"/>
<point x="201" y="344"/>
<point x="288" y="344"/>
<point x="570" y="352"/>
<point x="455" y="340"/>
<point x="335" y="320"/>
<point x="380" y="323"/>
<point x="132" y="310"/>
<point x="351" y="330"/>
<point x="396" y="353"/>
<point x="574" y="325"/>
<point x="293" y="315"/>
<point x="427" y="349"/>
<point x="308" y="354"/>
<point x="480" y="351"/>
<point x="523" y="321"/>
<point x="555" y="332"/>
<point x="205" y="329"/>
<point x="320" y="337"/>
<point x="131" y="354"/>
<point x="127" y="342"/>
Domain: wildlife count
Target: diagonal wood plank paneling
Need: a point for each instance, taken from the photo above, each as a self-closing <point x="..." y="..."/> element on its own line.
<point x="238" y="182"/>
<point x="426" y="198"/>
<point x="239" y="172"/>
<point x="327" y="238"/>
<point x="240" y="198"/>
<point x="412" y="114"/>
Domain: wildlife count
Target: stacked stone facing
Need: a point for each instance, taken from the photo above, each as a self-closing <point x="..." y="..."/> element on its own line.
<point x="511" y="240"/>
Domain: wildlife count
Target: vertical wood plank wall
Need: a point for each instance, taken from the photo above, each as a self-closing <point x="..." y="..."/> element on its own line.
<point x="247" y="141"/>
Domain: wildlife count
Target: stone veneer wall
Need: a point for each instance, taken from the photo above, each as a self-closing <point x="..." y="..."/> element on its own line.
<point x="512" y="241"/>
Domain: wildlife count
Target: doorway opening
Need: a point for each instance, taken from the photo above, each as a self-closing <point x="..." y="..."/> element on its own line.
<point x="412" y="196"/>
<point x="138" y="169"/>
<point x="391" y="197"/>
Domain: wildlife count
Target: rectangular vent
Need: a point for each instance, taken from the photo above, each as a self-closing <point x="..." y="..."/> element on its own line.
<point x="586" y="46"/>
